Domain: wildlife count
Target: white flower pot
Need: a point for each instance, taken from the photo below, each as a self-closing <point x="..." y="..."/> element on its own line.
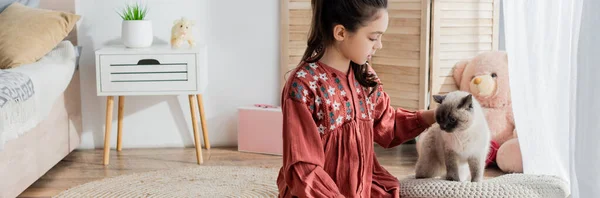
<point x="137" y="33"/>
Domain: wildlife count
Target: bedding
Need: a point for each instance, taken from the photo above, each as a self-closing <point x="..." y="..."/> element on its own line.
<point x="17" y="106"/>
<point x="49" y="78"/>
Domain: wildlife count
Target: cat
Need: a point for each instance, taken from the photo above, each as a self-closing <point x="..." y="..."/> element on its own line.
<point x="458" y="143"/>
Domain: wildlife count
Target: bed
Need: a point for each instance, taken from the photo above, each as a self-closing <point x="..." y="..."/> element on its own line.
<point x="55" y="126"/>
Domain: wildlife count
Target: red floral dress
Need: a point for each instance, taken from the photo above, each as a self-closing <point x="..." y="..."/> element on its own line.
<point x="329" y="126"/>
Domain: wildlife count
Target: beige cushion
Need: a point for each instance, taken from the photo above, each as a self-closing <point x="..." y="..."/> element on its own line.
<point x="27" y="34"/>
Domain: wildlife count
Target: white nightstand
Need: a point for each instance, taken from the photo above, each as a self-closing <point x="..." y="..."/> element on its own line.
<point x="158" y="70"/>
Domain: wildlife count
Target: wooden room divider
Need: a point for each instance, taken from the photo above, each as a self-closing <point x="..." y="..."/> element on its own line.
<point x="425" y="38"/>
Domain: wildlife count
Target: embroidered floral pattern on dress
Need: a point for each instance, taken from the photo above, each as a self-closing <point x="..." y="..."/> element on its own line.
<point x="323" y="76"/>
<point x="318" y="101"/>
<point x="329" y="98"/>
<point x="321" y="129"/>
<point x="301" y="74"/>
<point x="336" y="106"/>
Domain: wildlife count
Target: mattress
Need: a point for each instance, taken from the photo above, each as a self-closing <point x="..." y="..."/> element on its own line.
<point x="50" y="77"/>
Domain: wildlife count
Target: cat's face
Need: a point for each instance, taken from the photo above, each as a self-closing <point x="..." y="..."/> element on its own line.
<point x="455" y="112"/>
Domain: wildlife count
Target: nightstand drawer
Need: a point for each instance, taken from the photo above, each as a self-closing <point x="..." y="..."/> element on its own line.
<point x="148" y="73"/>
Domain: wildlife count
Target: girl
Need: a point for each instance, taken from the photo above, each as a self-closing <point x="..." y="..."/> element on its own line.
<point x="334" y="108"/>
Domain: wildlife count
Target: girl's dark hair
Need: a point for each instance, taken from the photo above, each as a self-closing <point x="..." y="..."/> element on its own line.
<point x="352" y="14"/>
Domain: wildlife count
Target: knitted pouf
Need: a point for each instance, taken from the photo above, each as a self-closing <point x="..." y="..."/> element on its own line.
<point x="510" y="185"/>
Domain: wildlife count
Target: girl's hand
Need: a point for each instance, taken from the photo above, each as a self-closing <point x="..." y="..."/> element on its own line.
<point x="429" y="116"/>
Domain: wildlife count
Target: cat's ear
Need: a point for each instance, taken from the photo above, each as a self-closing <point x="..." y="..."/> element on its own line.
<point x="439" y="98"/>
<point x="466" y="102"/>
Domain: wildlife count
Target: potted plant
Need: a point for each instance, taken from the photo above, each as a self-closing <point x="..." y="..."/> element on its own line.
<point x="136" y="31"/>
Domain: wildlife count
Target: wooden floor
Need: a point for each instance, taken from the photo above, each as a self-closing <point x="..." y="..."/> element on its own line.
<point x="82" y="166"/>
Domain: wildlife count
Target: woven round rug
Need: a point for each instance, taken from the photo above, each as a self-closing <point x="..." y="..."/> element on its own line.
<point x="203" y="181"/>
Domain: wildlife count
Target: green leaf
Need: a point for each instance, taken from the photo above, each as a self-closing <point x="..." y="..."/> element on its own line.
<point x="134" y="12"/>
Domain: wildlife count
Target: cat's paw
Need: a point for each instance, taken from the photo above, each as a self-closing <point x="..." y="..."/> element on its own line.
<point x="476" y="179"/>
<point x="424" y="170"/>
<point x="452" y="178"/>
<point x="421" y="176"/>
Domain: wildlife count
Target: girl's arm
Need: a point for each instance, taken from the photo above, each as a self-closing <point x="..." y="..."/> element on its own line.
<point x="393" y="127"/>
<point x="303" y="155"/>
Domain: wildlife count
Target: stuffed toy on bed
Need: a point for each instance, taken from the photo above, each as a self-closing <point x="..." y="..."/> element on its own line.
<point x="182" y="32"/>
<point x="486" y="77"/>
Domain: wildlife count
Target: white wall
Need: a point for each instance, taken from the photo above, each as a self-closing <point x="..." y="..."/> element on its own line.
<point x="242" y="38"/>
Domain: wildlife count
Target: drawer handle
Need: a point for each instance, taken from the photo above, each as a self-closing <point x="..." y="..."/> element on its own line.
<point x="148" y="62"/>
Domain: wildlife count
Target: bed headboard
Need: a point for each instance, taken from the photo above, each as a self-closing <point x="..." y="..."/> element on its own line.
<point x="65" y="6"/>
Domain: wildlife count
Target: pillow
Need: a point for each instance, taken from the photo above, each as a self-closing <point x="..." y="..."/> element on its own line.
<point x="28" y="34"/>
<point x="29" y="3"/>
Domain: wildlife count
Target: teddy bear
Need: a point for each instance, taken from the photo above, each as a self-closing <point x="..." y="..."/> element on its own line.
<point x="182" y="32"/>
<point x="486" y="77"/>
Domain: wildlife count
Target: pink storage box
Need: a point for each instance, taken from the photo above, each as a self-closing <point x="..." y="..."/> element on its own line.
<point x="259" y="130"/>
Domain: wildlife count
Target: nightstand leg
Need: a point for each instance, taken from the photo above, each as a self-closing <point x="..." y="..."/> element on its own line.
<point x="203" y="121"/>
<point x="109" y="112"/>
<point x="120" y="123"/>
<point x="195" y="126"/>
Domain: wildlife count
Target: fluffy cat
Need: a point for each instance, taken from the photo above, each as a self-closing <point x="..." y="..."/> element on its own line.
<point x="458" y="143"/>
